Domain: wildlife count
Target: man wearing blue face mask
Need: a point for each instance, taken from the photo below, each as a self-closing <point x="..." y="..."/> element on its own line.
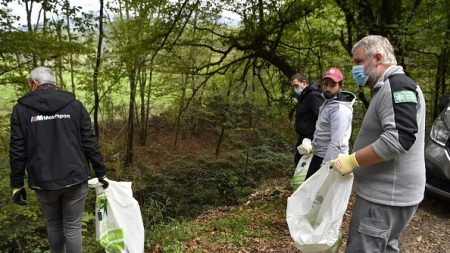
<point x="309" y="100"/>
<point x="388" y="164"/>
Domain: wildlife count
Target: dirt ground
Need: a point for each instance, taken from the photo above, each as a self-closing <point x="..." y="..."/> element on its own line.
<point x="429" y="231"/>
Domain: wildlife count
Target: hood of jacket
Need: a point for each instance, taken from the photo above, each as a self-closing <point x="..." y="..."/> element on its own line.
<point x="308" y="89"/>
<point x="343" y="98"/>
<point x="47" y="99"/>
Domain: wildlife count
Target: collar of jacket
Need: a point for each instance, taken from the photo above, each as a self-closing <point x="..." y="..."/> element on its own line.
<point x="46" y="86"/>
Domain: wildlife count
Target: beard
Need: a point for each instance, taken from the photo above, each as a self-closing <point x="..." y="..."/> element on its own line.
<point x="329" y="95"/>
<point x="373" y="78"/>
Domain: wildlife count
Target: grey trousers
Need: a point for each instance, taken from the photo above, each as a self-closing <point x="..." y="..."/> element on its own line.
<point x="377" y="228"/>
<point x="63" y="210"/>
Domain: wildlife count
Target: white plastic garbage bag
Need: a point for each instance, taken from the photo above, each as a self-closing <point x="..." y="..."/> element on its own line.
<point x="315" y="210"/>
<point x="301" y="170"/>
<point x="119" y="226"/>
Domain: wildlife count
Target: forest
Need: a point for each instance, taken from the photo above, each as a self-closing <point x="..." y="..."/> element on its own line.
<point x="191" y="100"/>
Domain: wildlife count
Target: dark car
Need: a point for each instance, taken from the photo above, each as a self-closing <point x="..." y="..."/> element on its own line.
<point x="437" y="155"/>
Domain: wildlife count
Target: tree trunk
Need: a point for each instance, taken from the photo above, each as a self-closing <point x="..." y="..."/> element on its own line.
<point x="144" y="131"/>
<point x="29" y="10"/>
<point x="72" y="78"/>
<point x="225" y="118"/>
<point x="180" y="110"/>
<point x="96" y="71"/>
<point x="277" y="61"/>
<point x="44" y="23"/>
<point x="59" y="60"/>
<point x="185" y="81"/>
<point x="442" y="68"/>
<point x="130" y="126"/>
<point x="142" y="85"/>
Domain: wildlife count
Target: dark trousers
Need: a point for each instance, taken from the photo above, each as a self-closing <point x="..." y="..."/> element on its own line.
<point x="376" y="228"/>
<point x="63" y="210"/>
<point x="314" y="166"/>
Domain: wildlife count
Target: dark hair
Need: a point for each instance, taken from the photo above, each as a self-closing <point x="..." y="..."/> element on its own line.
<point x="299" y="77"/>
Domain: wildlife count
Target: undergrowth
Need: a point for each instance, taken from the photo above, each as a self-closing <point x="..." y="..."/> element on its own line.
<point x="170" y="197"/>
<point x="189" y="187"/>
<point x="228" y="228"/>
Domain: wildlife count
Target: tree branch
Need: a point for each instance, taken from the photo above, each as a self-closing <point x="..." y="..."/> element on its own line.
<point x="194" y="44"/>
<point x="213" y="32"/>
<point x="166" y="37"/>
<point x="217" y="62"/>
<point x="182" y="28"/>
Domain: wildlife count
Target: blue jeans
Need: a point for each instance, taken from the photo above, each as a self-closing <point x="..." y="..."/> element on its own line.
<point x="63" y="210"/>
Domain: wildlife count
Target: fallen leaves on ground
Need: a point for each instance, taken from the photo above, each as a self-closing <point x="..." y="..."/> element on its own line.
<point x="428" y="231"/>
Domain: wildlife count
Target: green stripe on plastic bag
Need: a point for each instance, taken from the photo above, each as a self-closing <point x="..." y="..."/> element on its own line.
<point x="113" y="241"/>
<point x="297" y="180"/>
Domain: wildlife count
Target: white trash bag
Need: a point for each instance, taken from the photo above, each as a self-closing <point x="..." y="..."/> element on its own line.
<point x="301" y="171"/>
<point x="119" y="226"/>
<point x="315" y="210"/>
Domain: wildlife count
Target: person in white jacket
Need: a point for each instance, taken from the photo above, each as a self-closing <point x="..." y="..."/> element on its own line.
<point x="334" y="123"/>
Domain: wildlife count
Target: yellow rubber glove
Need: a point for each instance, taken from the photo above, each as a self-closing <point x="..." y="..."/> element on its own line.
<point x="345" y="164"/>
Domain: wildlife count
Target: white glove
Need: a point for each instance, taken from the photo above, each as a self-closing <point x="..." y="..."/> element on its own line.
<point x="306" y="147"/>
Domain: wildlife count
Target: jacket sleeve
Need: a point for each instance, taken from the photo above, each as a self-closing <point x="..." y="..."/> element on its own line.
<point x="398" y="115"/>
<point x="17" y="152"/>
<point x="90" y="145"/>
<point x="340" y="125"/>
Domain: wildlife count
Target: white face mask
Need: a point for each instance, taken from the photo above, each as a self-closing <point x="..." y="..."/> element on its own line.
<point x="298" y="90"/>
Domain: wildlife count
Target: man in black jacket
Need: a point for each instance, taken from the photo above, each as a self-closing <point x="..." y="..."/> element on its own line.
<point x="309" y="100"/>
<point x="52" y="138"/>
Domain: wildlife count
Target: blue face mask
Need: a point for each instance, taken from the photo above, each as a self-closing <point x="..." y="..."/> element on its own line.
<point x="359" y="75"/>
<point x="298" y="90"/>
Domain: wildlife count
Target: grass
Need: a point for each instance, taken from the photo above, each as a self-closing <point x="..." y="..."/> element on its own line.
<point x="218" y="231"/>
<point x="226" y="229"/>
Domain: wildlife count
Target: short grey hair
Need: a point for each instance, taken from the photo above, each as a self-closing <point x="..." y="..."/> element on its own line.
<point x="376" y="44"/>
<point x="43" y="75"/>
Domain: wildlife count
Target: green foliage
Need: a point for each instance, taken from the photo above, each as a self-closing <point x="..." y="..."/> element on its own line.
<point x="232" y="227"/>
<point x="169" y="235"/>
<point x="153" y="212"/>
<point x="189" y="187"/>
<point x="23" y="227"/>
<point x="236" y="83"/>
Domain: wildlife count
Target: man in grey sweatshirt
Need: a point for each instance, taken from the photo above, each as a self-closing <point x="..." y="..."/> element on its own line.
<point x="334" y="123"/>
<point x="388" y="164"/>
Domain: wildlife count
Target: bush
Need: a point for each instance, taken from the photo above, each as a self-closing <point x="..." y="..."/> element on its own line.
<point x="189" y="187"/>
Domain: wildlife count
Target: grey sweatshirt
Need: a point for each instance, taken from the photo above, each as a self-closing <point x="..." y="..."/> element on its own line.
<point x="394" y="125"/>
<point x="334" y="126"/>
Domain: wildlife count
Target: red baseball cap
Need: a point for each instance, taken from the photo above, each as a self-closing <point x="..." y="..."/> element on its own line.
<point x="335" y="74"/>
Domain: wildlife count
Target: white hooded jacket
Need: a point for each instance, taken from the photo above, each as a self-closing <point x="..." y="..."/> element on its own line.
<point x="334" y="126"/>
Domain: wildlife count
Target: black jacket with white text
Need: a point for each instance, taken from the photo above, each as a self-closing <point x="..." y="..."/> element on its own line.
<point x="52" y="138"/>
